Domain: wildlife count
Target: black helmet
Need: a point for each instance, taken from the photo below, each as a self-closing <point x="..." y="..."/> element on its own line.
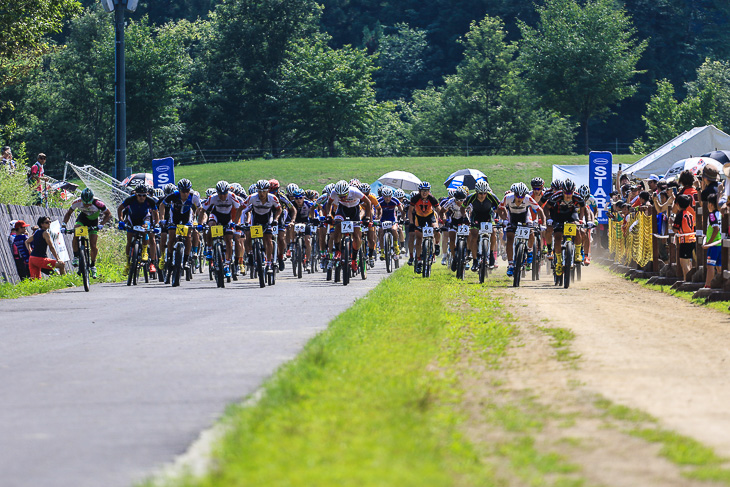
<point x="537" y="183"/>
<point x="87" y="196"/>
<point x="184" y="185"/>
<point x="568" y="186"/>
<point x="141" y="189"/>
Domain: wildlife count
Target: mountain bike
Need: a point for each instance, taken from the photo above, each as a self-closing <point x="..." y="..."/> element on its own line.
<point x="462" y="234"/>
<point x="82" y="232"/>
<point x="522" y="236"/>
<point x="427" y="251"/>
<point x="178" y="255"/>
<point x="136" y="250"/>
<point x="218" y="253"/>
<point x="484" y="248"/>
<point x="272" y="271"/>
<point x="258" y="269"/>
<point x="315" y="258"/>
<point x="299" y="251"/>
<point x="342" y="267"/>
<point x="391" y="259"/>
<point x="537" y="254"/>
<point x="570" y="267"/>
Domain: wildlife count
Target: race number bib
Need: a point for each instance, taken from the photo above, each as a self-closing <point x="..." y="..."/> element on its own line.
<point x="274" y="229"/>
<point x="182" y="230"/>
<point x="569" y="230"/>
<point x="216" y="231"/>
<point x="300" y="227"/>
<point x="522" y="232"/>
<point x="386" y="225"/>
<point x="139" y="228"/>
<point x="462" y="230"/>
<point x="428" y="231"/>
<point x="347" y="227"/>
<point x="257" y="231"/>
<point x="485" y="227"/>
<point x="81" y="231"/>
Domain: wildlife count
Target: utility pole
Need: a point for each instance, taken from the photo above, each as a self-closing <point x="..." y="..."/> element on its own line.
<point x="120" y="78"/>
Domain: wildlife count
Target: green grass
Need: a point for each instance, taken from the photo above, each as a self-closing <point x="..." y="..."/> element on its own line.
<point x="562" y="337"/>
<point x="623" y="413"/>
<point x="502" y="171"/>
<point x="373" y="400"/>
<point x="679" y="449"/>
<point x="533" y="466"/>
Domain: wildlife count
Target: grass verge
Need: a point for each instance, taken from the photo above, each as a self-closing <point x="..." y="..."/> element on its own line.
<point x="373" y="400"/>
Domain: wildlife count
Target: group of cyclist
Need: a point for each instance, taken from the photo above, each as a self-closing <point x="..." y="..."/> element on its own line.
<point x="264" y="204"/>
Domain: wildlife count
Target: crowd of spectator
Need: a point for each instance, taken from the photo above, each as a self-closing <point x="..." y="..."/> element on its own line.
<point x="30" y="245"/>
<point x="676" y="204"/>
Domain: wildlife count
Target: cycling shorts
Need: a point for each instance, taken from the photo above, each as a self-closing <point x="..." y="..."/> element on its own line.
<point x="422" y="221"/>
<point x="563" y="218"/>
<point x="88" y="222"/>
<point x="264" y="221"/>
<point x="686" y="250"/>
<point x="347" y="213"/>
<point x="516" y="218"/>
<point x="220" y="219"/>
<point x="455" y="222"/>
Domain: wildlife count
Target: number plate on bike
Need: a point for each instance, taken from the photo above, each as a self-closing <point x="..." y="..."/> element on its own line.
<point x="139" y="228"/>
<point x="462" y="230"/>
<point x="570" y="229"/>
<point x="485" y="227"/>
<point x="300" y="227"/>
<point x="257" y="231"/>
<point x="81" y="231"/>
<point x="386" y="225"/>
<point x="522" y="232"/>
<point x="428" y="231"/>
<point x="216" y="231"/>
<point x="347" y="227"/>
<point x="182" y="230"/>
<point x="274" y="230"/>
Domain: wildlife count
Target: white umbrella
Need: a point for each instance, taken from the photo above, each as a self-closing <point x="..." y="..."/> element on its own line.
<point x="694" y="164"/>
<point x="465" y="177"/>
<point x="400" y="179"/>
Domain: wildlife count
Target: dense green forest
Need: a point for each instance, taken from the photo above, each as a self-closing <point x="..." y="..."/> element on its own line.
<point x="363" y="77"/>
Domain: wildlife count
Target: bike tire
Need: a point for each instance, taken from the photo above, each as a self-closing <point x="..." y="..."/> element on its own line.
<point x="363" y="263"/>
<point x="176" y="266"/>
<point x="346" y="262"/>
<point x="132" y="264"/>
<point x="299" y="249"/>
<point x="258" y="264"/>
<point x="484" y="264"/>
<point x="518" y="263"/>
<point x="146" y="272"/>
<point x="568" y="256"/>
<point x="218" y="259"/>
<point x="536" y="263"/>
<point x="578" y="271"/>
<point x="387" y="249"/>
<point x="84" y="267"/>
<point x="460" y="257"/>
<point x="424" y="257"/>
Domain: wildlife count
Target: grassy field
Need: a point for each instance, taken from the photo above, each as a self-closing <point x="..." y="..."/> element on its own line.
<point x="502" y="171"/>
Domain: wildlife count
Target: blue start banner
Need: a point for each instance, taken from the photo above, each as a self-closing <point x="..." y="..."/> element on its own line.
<point x="600" y="179"/>
<point x="163" y="171"/>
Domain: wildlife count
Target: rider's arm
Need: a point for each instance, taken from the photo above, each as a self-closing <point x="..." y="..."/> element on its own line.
<point x="540" y="213"/>
<point x="120" y="210"/>
<point x="107" y="217"/>
<point x="155" y="217"/>
<point x="67" y="216"/>
<point x="368" y="207"/>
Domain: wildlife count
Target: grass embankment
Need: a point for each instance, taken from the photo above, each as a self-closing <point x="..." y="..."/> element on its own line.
<point x="374" y="399"/>
<point x="502" y="171"/>
<point x="109" y="268"/>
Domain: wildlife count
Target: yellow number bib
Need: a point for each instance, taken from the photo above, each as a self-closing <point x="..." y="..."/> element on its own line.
<point x="81" y="231"/>
<point x="569" y="229"/>
<point x="216" y="231"/>
<point x="181" y="230"/>
<point x="257" y="231"/>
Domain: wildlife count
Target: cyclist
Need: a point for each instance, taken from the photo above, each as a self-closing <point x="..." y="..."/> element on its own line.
<point x="89" y="210"/>
<point x="304" y="214"/>
<point x="183" y="205"/>
<point x="568" y="207"/>
<point x="538" y="190"/>
<point x="548" y="237"/>
<point x="457" y="207"/>
<point x="444" y="223"/>
<point x="348" y="199"/>
<point x="592" y="207"/>
<point x="285" y="219"/>
<point x="221" y="208"/>
<point x="515" y="206"/>
<point x="482" y="206"/>
<point x="365" y="189"/>
<point x="402" y="215"/>
<point x="388" y="207"/>
<point x="265" y="209"/>
<point x="423" y="210"/>
<point x="139" y="210"/>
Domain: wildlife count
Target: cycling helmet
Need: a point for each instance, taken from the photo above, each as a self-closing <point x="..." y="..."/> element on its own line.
<point x="310" y="194"/>
<point x="222" y="187"/>
<point x="209" y="192"/>
<point x="380" y="191"/>
<point x="451" y="191"/>
<point x="298" y="193"/>
<point x="328" y="189"/>
<point x="537" y="183"/>
<point x="263" y="185"/>
<point x="140" y="189"/>
<point x="556" y="185"/>
<point x="399" y="193"/>
<point x="519" y="189"/>
<point x="466" y="190"/>
<point x="292" y="188"/>
<point x="584" y="192"/>
<point x="341" y="188"/>
<point x="237" y="189"/>
<point x="169" y="188"/>
<point x="386" y="192"/>
<point x="424" y="185"/>
<point x="150" y="189"/>
<point x="273" y="185"/>
<point x="184" y="185"/>
<point x="158" y="193"/>
<point x="482" y="187"/>
<point x="87" y="196"/>
<point x="459" y="195"/>
<point x="568" y="186"/>
<point x="355" y="182"/>
<point x="252" y="189"/>
<point x="365" y="188"/>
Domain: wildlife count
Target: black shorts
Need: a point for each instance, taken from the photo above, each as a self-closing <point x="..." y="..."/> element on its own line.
<point x="263" y="220"/>
<point x="422" y="221"/>
<point x="221" y="219"/>
<point x="686" y="250"/>
<point x="88" y="222"/>
<point x="348" y="213"/>
<point x="455" y="222"/>
<point x="514" y="219"/>
<point x="562" y="219"/>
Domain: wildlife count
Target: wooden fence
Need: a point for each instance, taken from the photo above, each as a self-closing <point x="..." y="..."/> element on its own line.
<point x="29" y="214"/>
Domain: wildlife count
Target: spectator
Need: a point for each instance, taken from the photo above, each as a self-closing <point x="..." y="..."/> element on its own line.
<point x="713" y="242"/>
<point x="623" y="179"/>
<point x="8" y="162"/>
<point x="38" y="245"/>
<point x="663" y="202"/>
<point x="37" y="177"/>
<point x="625" y="189"/>
<point x="11" y="236"/>
<point x="710" y="182"/>
<point x="687" y="180"/>
<point x="653" y="182"/>
<point x="20" y="251"/>
<point x="684" y="226"/>
<point x="643" y="199"/>
<point x="633" y="198"/>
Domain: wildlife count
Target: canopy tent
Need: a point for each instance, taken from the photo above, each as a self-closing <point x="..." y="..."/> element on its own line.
<point x="578" y="173"/>
<point x="697" y="141"/>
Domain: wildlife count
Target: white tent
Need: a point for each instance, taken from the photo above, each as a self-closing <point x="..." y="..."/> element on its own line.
<point x="578" y="173"/>
<point x="694" y="143"/>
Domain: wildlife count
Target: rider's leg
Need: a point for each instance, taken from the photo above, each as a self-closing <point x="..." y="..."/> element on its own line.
<point x="510" y="247"/>
<point x="93" y="249"/>
<point x="269" y="247"/>
<point x="229" y="246"/>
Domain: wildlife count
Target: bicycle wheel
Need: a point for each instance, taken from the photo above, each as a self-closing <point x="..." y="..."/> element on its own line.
<point x="146" y="272"/>
<point x="258" y="263"/>
<point x="346" y="257"/>
<point x="133" y="256"/>
<point x="519" y="261"/>
<point x="363" y="262"/>
<point x="299" y="251"/>
<point x="387" y="249"/>
<point x="220" y="276"/>
<point x="83" y="265"/>
<point x="568" y="255"/>
<point x="578" y="266"/>
<point x="424" y="257"/>
<point x="460" y="258"/>
<point x="484" y="264"/>
<point x="176" y="270"/>
<point x="536" y="263"/>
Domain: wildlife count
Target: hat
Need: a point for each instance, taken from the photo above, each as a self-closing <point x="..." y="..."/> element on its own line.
<point x="710" y="173"/>
<point x="654" y="177"/>
<point x="20" y="224"/>
<point x="12" y="224"/>
<point x="726" y="169"/>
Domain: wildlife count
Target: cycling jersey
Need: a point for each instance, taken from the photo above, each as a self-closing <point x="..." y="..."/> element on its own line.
<point x="181" y="212"/>
<point x="351" y="200"/>
<point x="303" y="211"/>
<point x="565" y="208"/>
<point x="424" y="207"/>
<point x="482" y="211"/>
<point x="260" y="207"/>
<point x="388" y="208"/>
<point x="510" y="204"/>
<point x="218" y="205"/>
<point x="90" y="211"/>
<point x="373" y="202"/>
<point x="458" y="211"/>
<point x="137" y="212"/>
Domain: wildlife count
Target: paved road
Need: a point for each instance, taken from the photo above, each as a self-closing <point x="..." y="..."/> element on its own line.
<point x="102" y="388"/>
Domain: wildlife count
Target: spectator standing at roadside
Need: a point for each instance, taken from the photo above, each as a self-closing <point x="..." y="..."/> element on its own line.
<point x="653" y="183"/>
<point x="20" y="251"/>
<point x="12" y="234"/>
<point x="687" y="180"/>
<point x="8" y="162"/>
<point x="710" y="182"/>
<point x="37" y="177"/>
<point x="713" y="242"/>
<point x="684" y="226"/>
<point x="41" y="242"/>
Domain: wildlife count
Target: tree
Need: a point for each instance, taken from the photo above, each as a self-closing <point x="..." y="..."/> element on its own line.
<point x="400" y="59"/>
<point x="328" y="93"/>
<point x="580" y="60"/>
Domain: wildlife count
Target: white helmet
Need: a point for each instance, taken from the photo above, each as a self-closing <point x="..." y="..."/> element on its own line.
<point x="341" y="187"/>
<point x="399" y="193"/>
<point x="291" y="188"/>
<point x="519" y="189"/>
<point x="482" y="187"/>
<point x="387" y="192"/>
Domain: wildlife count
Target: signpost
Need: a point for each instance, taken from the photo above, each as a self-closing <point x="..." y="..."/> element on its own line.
<point x="163" y="171"/>
<point x="600" y="177"/>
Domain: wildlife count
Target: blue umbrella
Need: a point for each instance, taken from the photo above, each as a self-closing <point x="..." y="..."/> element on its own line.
<point x="458" y="182"/>
<point x="468" y="178"/>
